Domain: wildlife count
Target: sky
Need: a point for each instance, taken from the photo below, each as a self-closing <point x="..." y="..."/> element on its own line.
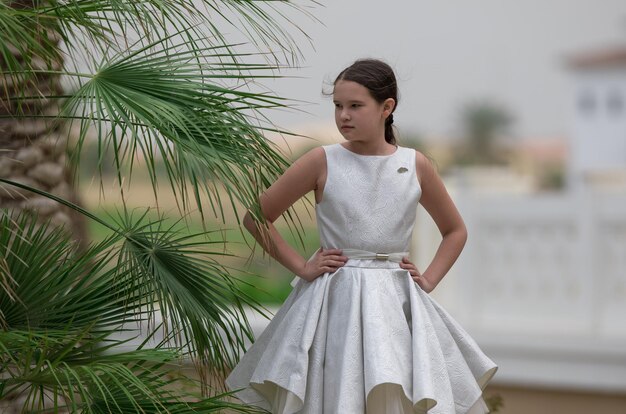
<point x="447" y="53"/>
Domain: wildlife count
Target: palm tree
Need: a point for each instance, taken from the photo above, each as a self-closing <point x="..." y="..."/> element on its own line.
<point x="33" y="148"/>
<point x="483" y="122"/>
<point x="150" y="79"/>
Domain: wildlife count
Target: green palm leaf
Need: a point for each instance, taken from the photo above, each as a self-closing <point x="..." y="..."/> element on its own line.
<point x="59" y="369"/>
<point x="185" y="104"/>
<point x="143" y="268"/>
<point x="166" y="107"/>
<point x="193" y="291"/>
<point x="69" y="307"/>
<point x="51" y="279"/>
<point x="156" y="80"/>
<point x="113" y="22"/>
<point x="72" y="368"/>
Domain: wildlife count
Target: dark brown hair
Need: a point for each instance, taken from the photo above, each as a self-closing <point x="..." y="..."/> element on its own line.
<point x="379" y="79"/>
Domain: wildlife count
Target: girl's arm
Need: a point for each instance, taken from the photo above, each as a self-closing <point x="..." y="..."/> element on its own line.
<point x="305" y="175"/>
<point x="439" y="205"/>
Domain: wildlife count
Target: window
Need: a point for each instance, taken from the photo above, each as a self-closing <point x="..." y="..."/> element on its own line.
<point x="615" y="102"/>
<point x="586" y="103"/>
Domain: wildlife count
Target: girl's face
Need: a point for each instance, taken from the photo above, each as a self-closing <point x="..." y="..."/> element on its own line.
<point x="359" y="117"/>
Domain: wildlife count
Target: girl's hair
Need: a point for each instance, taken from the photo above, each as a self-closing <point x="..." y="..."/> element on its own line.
<point x="379" y="79"/>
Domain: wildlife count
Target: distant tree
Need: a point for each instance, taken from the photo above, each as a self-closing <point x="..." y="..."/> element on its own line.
<point x="482" y="124"/>
<point x="413" y="140"/>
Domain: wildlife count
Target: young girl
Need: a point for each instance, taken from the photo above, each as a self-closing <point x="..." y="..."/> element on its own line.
<point x="359" y="332"/>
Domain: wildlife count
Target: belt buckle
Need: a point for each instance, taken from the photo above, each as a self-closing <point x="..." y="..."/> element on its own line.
<point x="382" y="256"/>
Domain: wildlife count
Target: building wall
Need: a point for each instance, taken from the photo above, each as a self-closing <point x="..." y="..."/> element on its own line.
<point x="541" y="285"/>
<point x="598" y="136"/>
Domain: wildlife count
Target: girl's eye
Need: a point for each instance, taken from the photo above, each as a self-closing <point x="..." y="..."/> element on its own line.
<point x="355" y="105"/>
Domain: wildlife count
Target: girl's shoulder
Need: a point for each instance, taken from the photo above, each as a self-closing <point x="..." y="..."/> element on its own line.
<point x="421" y="159"/>
<point x="312" y="161"/>
<point x="315" y="155"/>
<point x="320" y="154"/>
<point x="424" y="166"/>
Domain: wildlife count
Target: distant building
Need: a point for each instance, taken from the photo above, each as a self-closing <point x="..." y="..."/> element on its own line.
<point x="598" y="136"/>
<point x="541" y="284"/>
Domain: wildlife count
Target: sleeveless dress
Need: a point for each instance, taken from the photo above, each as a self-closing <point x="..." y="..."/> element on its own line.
<point x="366" y="338"/>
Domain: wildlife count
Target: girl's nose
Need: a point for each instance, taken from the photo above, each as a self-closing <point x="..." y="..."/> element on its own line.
<point x="344" y="115"/>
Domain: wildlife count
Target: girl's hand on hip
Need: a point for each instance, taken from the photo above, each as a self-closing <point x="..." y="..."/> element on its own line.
<point x="321" y="262"/>
<point x="423" y="283"/>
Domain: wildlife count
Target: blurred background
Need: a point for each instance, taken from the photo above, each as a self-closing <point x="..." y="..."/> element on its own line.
<point x="522" y="107"/>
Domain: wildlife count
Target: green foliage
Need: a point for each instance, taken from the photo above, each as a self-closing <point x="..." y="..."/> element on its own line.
<point x="482" y="124"/>
<point x="263" y="280"/>
<point x="165" y="108"/>
<point x="63" y="310"/>
<point x="495" y="403"/>
<point x="413" y="140"/>
<point x="552" y="177"/>
<point x="266" y="281"/>
<point x="156" y="81"/>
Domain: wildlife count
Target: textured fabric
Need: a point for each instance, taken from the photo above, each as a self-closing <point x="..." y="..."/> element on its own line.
<point x="366" y="338"/>
<point x="369" y="202"/>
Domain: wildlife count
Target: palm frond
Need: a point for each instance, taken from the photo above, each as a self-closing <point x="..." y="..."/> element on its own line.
<point x="27" y="45"/>
<point x="167" y="107"/>
<point x="21" y="35"/>
<point x="62" y="335"/>
<point x="180" y="104"/>
<point x="92" y="29"/>
<point x="114" y="22"/>
<point x="194" y="293"/>
<point x="53" y="282"/>
<point x="59" y="369"/>
<point x="183" y="98"/>
<point x="143" y="268"/>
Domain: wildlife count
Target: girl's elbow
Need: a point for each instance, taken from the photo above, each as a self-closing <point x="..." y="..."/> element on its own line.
<point x="463" y="235"/>
<point x="253" y="224"/>
<point x="249" y="222"/>
<point x="458" y="233"/>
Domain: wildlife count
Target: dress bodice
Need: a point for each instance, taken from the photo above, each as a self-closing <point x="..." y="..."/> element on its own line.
<point x="369" y="202"/>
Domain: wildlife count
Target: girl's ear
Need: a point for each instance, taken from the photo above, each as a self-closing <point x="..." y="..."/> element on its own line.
<point x="388" y="106"/>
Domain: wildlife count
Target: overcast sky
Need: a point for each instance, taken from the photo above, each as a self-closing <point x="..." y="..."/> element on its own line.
<point x="447" y="52"/>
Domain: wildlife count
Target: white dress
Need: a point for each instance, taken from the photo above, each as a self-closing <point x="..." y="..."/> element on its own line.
<point x="366" y="338"/>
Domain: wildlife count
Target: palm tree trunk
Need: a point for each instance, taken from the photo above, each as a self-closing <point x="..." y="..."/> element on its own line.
<point x="33" y="149"/>
<point x="32" y="141"/>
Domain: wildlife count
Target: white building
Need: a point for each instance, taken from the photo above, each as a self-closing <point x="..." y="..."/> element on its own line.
<point x="598" y="136"/>
<point x="541" y="283"/>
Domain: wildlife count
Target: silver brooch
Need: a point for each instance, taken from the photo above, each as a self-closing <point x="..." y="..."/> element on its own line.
<point x="402" y="170"/>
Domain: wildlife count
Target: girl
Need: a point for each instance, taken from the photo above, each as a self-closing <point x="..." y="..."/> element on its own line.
<point x="359" y="332"/>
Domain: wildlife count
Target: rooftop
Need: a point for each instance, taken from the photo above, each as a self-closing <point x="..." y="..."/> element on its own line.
<point x="599" y="58"/>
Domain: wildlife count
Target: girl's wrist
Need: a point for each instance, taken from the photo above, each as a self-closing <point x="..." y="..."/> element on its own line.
<point x="300" y="269"/>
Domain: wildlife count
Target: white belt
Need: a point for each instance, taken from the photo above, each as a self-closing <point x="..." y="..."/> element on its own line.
<point x="365" y="255"/>
<point x="356" y="254"/>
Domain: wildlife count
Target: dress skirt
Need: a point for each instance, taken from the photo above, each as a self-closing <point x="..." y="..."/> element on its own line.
<point x="364" y="339"/>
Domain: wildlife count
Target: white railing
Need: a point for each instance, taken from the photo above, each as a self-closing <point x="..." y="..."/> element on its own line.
<point x="541" y="284"/>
